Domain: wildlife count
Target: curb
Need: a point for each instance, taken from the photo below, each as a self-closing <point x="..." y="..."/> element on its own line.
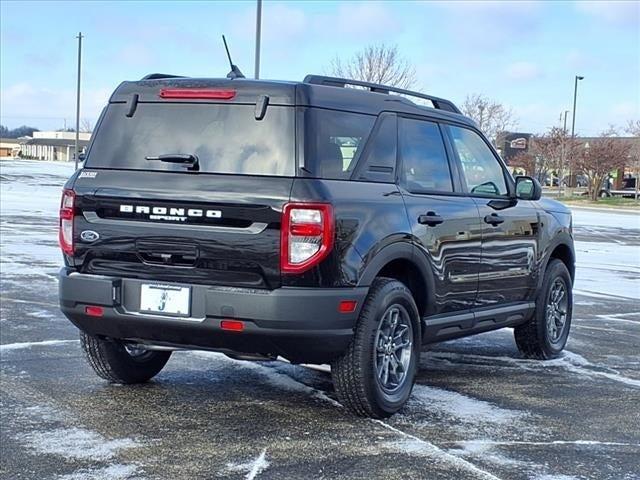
<point x="603" y="209"/>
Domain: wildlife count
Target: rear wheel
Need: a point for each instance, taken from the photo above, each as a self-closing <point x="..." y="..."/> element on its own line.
<point x="119" y="362"/>
<point x="375" y="376"/>
<point x="546" y="334"/>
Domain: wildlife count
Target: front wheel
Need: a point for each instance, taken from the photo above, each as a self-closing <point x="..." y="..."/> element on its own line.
<point x="375" y="376"/>
<point x="121" y="363"/>
<point x="545" y="335"/>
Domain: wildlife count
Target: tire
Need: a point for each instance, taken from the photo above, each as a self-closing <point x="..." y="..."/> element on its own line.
<point x="536" y="339"/>
<point x="604" y="194"/>
<point x="359" y="374"/>
<point x="113" y="362"/>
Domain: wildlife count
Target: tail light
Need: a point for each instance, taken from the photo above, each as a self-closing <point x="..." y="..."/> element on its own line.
<point x="306" y="235"/>
<point x="67" y="210"/>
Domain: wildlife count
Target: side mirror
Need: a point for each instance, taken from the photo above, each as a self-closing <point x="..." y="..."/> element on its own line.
<point x="528" y="188"/>
<point x="82" y="157"/>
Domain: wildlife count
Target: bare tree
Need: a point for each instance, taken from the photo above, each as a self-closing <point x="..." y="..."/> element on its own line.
<point x="86" y="126"/>
<point x="544" y="154"/>
<point x="597" y="158"/>
<point x="633" y="128"/>
<point x="376" y="64"/>
<point x="492" y="117"/>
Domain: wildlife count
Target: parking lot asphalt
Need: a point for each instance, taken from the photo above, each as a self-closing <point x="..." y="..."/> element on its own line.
<point x="478" y="411"/>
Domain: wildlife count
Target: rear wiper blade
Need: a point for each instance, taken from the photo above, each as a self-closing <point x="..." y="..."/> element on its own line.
<point x="182" y="158"/>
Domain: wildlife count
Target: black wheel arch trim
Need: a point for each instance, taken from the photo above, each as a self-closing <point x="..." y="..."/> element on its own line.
<point x="562" y="238"/>
<point x="402" y="250"/>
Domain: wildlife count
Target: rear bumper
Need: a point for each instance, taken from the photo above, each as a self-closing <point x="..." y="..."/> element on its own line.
<point x="300" y="324"/>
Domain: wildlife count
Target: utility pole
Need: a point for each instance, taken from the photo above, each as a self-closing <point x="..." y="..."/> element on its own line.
<point x="258" y="32"/>
<point x="79" y="37"/>
<point x="573" y="127"/>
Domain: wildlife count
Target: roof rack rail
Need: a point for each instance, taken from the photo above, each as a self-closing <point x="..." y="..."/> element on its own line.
<point x="157" y="76"/>
<point x="439" y="103"/>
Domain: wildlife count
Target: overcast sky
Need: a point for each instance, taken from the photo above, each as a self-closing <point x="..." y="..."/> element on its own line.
<point x="523" y="54"/>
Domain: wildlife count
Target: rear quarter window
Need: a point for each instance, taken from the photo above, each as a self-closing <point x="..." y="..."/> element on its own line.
<point x="333" y="141"/>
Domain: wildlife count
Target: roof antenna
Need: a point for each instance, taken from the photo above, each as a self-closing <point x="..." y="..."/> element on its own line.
<point x="235" y="71"/>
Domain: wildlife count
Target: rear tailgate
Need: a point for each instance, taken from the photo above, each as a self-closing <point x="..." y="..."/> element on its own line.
<point x="177" y="227"/>
<point x="214" y="221"/>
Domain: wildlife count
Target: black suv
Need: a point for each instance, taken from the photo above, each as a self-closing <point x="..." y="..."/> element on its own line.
<point x="310" y="220"/>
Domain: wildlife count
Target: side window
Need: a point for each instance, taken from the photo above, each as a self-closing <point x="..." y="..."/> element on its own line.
<point x="333" y="141"/>
<point x="425" y="167"/>
<point x="378" y="161"/>
<point x="482" y="171"/>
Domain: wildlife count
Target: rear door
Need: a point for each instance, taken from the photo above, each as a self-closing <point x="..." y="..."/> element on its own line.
<point x="218" y="224"/>
<point x="444" y="222"/>
<point x="509" y="226"/>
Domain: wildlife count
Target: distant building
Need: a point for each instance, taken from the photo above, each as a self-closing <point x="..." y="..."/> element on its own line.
<point x="510" y="144"/>
<point x="55" y="146"/>
<point x="9" y="147"/>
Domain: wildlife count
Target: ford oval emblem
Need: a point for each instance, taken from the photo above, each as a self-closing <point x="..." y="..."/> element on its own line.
<point x="89" y="236"/>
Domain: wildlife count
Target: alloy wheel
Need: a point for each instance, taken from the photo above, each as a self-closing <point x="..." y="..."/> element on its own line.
<point x="556" y="310"/>
<point x="394" y="348"/>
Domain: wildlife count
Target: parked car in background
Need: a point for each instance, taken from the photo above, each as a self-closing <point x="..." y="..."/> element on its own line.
<point x="628" y="189"/>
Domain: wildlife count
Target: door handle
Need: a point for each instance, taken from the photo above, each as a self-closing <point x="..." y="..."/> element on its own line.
<point x="431" y="218"/>
<point x="493" y="219"/>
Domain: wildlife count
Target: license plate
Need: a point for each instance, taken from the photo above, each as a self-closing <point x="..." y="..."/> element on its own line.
<point x="165" y="299"/>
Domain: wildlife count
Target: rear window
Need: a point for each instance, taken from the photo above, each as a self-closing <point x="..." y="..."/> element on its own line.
<point x="334" y="141"/>
<point x="225" y="138"/>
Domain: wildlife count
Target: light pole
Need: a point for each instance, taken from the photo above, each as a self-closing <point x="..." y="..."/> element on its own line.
<point x="562" y="153"/>
<point x="79" y="37"/>
<point x="258" y="31"/>
<point x="573" y="126"/>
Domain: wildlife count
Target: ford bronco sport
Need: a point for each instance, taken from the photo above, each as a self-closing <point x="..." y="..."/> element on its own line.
<point x="310" y="221"/>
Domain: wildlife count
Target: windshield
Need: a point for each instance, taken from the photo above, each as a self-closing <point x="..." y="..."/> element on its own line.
<point x="226" y="138"/>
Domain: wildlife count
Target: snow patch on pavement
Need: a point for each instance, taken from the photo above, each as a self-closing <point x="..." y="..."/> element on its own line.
<point x="599" y="218"/>
<point x="479" y="444"/>
<point x="41" y="313"/>
<point x="607" y="269"/>
<point x="416" y="446"/>
<point x="253" y="467"/>
<point x="44" y="412"/>
<point x="7" y="347"/>
<point x="408" y="444"/>
<point x="461" y="407"/>
<point x="485" y="450"/>
<point x="569" y="361"/>
<point x="111" y="472"/>
<point x="578" y="364"/>
<point x="75" y="443"/>
<point x="554" y="476"/>
<point x="617" y="317"/>
<point x="31" y="190"/>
